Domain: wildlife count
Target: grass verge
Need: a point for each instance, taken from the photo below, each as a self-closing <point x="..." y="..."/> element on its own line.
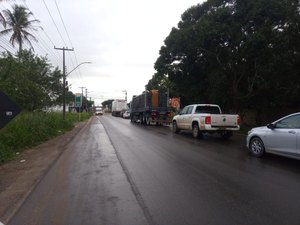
<point x="30" y="129"/>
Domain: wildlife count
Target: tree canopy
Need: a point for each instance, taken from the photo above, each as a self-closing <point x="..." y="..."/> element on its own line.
<point x="107" y="104"/>
<point x="239" y="54"/>
<point x="31" y="81"/>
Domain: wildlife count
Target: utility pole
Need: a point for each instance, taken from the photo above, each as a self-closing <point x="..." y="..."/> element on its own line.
<point x="86" y="100"/>
<point x="125" y="94"/>
<point x="64" y="78"/>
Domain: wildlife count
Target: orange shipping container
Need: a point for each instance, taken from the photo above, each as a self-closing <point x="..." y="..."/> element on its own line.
<point x="154" y="99"/>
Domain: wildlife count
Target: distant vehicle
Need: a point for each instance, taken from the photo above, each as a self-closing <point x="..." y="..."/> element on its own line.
<point x="281" y="137"/>
<point x="98" y="111"/>
<point x="119" y="106"/>
<point x="126" y="115"/>
<point x="206" y="118"/>
<point x="151" y="107"/>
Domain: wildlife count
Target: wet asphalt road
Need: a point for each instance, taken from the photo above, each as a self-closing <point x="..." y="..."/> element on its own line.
<point x="115" y="172"/>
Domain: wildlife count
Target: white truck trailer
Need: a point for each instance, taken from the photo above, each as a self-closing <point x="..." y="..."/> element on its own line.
<point x="119" y="106"/>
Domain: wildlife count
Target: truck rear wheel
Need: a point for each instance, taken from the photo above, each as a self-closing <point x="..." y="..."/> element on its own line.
<point x="196" y="131"/>
<point x="175" y="128"/>
<point x="148" y="120"/>
<point x="142" y="118"/>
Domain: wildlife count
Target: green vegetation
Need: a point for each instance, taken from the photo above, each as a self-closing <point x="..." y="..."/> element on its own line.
<point x="28" y="80"/>
<point x="242" y="55"/>
<point x="30" y="129"/>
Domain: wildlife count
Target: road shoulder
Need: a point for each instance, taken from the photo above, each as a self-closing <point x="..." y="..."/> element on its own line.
<point x="19" y="177"/>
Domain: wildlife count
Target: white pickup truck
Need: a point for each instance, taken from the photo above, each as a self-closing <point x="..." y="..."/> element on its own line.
<point x="206" y="118"/>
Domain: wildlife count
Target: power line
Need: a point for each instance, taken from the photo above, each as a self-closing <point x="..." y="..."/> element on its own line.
<point x="54" y="23"/>
<point x="7" y="43"/>
<point x="6" y="49"/>
<point x="57" y="27"/>
<point x="59" y="31"/>
<point x="59" y="12"/>
<point x="56" y="56"/>
<point x="63" y="23"/>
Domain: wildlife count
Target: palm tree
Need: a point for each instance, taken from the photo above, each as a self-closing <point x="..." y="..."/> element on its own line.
<point x="18" y="24"/>
<point x="2" y="19"/>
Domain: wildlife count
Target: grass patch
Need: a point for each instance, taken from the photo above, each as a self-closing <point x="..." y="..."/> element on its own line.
<point x="30" y="129"/>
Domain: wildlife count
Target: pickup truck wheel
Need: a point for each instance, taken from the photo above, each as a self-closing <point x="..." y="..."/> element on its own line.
<point x="196" y="131"/>
<point x="175" y="128"/>
<point x="257" y="147"/>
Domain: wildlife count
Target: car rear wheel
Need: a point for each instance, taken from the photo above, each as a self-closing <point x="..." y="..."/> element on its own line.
<point x="257" y="147"/>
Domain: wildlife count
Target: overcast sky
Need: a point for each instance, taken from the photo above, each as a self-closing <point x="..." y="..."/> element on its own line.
<point x="121" y="38"/>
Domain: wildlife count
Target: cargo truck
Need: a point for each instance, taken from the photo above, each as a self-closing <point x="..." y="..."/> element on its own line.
<point x="151" y="107"/>
<point x="119" y="106"/>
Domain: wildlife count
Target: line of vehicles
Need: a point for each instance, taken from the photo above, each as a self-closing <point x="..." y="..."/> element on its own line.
<point x="282" y="137"/>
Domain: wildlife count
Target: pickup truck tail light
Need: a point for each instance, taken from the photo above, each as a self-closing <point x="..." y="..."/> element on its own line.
<point x="207" y="120"/>
<point x="238" y="120"/>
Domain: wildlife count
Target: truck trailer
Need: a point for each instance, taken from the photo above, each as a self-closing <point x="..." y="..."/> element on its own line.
<point x="151" y="107"/>
<point x="118" y="107"/>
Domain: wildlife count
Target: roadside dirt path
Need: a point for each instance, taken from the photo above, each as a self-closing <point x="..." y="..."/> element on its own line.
<point x="19" y="177"/>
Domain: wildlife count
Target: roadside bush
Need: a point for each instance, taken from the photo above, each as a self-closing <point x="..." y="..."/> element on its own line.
<point x="30" y="129"/>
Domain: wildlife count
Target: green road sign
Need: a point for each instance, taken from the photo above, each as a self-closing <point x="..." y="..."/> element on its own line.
<point x="77" y="100"/>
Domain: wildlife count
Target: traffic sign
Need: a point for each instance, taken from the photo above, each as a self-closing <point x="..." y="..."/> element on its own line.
<point x="77" y="100"/>
<point x="8" y="109"/>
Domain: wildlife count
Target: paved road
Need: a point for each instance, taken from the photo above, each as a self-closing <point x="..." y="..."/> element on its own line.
<point x="132" y="174"/>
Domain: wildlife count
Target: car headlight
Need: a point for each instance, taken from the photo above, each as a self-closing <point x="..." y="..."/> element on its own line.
<point x="250" y="131"/>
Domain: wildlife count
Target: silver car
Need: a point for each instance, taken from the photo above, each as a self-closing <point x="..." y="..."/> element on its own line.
<point x="281" y="137"/>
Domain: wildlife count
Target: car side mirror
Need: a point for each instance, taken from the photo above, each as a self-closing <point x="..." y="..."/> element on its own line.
<point x="271" y="126"/>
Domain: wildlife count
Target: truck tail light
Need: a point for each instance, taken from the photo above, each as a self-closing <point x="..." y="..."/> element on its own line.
<point x="238" y="120"/>
<point x="207" y="120"/>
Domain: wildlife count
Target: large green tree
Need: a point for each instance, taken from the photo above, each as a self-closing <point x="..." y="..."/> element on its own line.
<point x="18" y="24"/>
<point x="30" y="80"/>
<point x="107" y="104"/>
<point x="237" y="53"/>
